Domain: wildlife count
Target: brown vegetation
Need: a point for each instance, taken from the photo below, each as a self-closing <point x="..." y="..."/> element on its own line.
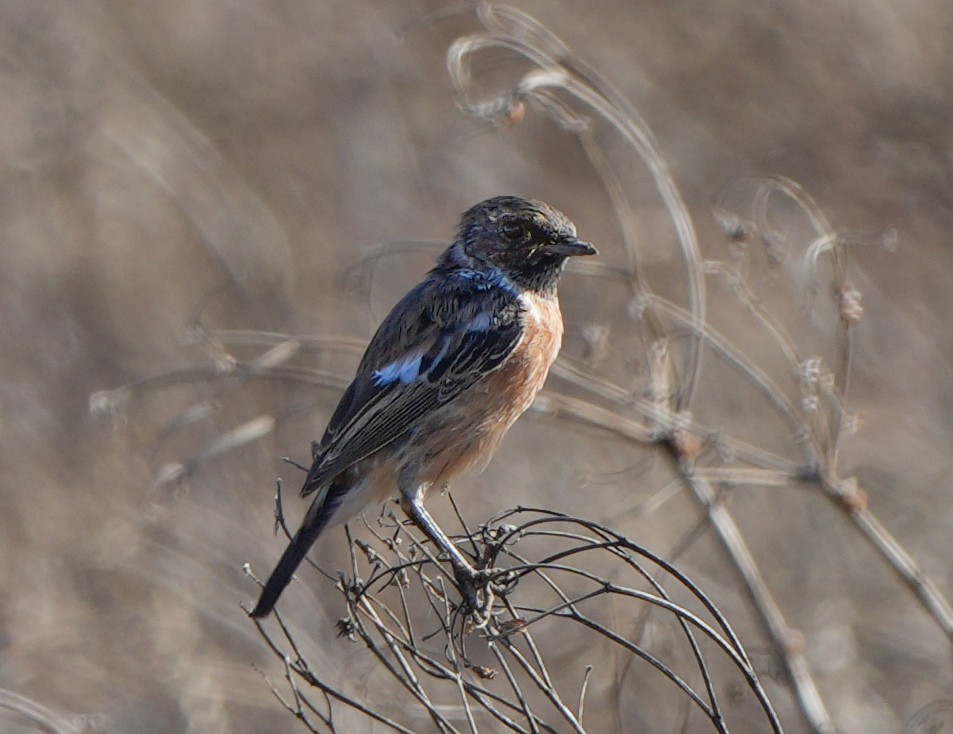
<point x="206" y="206"/>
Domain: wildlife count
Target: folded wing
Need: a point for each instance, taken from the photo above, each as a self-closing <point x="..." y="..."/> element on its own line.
<point x="443" y="337"/>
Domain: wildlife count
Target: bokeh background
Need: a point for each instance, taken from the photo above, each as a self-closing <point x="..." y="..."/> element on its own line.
<point x="231" y="162"/>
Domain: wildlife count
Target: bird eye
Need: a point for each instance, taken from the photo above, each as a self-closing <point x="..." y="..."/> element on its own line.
<point x="513" y="231"/>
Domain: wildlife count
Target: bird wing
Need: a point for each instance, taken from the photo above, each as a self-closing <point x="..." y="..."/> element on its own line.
<point x="440" y="339"/>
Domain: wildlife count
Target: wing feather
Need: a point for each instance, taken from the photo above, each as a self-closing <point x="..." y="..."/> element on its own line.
<point x="443" y="337"/>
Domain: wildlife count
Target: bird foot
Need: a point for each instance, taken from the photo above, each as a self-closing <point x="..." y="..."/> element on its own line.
<point x="478" y="592"/>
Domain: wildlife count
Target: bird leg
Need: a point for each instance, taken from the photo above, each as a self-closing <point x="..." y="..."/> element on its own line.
<point x="468" y="579"/>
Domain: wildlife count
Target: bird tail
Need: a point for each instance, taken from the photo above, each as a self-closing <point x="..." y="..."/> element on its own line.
<point x="319" y="514"/>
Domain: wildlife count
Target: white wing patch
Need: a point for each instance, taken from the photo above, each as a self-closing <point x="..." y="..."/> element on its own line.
<point x="403" y="370"/>
<point x="407" y="369"/>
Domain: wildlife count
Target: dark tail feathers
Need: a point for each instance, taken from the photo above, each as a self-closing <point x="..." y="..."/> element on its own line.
<point x="314" y="522"/>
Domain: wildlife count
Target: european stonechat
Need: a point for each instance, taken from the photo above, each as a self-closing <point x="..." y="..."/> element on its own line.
<point x="449" y="370"/>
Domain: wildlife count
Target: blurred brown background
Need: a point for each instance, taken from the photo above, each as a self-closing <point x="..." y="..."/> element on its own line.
<point x="236" y="158"/>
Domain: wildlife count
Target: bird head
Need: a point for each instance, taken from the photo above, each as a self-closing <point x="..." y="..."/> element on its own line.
<point x="527" y="241"/>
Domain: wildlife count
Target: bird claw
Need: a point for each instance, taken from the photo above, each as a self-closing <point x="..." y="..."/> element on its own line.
<point x="478" y="592"/>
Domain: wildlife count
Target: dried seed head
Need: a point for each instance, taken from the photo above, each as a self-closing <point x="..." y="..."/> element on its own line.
<point x="483" y="672"/>
<point x="514" y="113"/>
<point x="346" y="628"/>
<point x="852" y="497"/>
<point x="850" y="309"/>
<point x="733" y="226"/>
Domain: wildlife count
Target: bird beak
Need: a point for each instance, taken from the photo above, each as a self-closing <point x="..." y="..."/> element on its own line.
<point x="569" y="247"/>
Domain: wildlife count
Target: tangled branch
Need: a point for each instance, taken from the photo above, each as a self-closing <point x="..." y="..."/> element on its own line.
<point x="552" y="577"/>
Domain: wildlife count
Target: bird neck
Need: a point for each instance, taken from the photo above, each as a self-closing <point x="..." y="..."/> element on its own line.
<point x="540" y="276"/>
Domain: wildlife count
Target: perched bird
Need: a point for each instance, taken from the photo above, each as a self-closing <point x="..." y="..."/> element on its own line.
<point x="449" y="370"/>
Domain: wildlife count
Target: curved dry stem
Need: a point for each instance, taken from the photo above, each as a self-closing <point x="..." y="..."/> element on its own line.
<point x="559" y="75"/>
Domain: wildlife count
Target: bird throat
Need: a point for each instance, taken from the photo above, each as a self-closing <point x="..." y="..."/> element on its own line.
<point x="537" y="274"/>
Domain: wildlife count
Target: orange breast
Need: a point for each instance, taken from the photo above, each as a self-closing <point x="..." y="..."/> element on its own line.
<point x="472" y="431"/>
<point x="514" y="386"/>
